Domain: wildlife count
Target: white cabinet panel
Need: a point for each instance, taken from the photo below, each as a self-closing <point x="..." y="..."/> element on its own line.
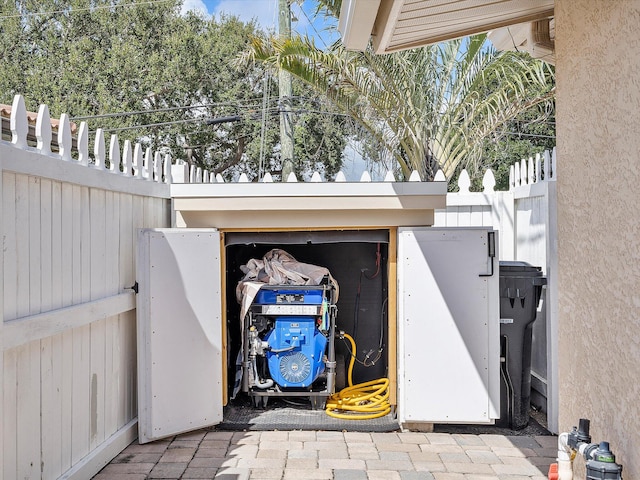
<point x="179" y="331"/>
<point x="448" y="321"/>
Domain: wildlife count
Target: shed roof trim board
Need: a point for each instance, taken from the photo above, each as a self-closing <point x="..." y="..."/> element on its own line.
<point x="308" y="189"/>
<point x="307" y="205"/>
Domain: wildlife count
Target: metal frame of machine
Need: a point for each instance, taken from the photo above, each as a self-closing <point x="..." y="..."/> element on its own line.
<point x="289" y="344"/>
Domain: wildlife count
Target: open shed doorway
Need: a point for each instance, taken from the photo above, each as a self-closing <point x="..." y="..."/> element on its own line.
<point x="357" y="259"/>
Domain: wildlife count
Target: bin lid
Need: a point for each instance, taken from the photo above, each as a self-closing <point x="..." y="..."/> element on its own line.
<point x="520" y="269"/>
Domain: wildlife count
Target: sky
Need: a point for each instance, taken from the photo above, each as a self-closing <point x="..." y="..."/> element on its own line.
<point x="265" y="13"/>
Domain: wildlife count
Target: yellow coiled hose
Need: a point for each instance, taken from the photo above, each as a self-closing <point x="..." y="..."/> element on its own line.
<point x="362" y="401"/>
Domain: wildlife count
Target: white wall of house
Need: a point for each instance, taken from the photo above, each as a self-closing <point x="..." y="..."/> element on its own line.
<point x="598" y="117"/>
<point x="68" y="401"/>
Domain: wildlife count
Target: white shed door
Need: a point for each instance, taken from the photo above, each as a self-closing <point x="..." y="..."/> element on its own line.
<point x="179" y="331"/>
<point x="448" y="321"/>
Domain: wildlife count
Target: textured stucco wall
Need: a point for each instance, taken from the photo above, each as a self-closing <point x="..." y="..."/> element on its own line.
<point x="598" y="115"/>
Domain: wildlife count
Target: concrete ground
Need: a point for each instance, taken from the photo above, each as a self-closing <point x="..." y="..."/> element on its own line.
<point x="302" y="455"/>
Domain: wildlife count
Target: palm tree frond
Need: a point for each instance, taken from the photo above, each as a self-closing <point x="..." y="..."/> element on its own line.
<point x="432" y="104"/>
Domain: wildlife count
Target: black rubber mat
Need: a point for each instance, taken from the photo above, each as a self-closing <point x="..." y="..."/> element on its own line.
<point x="284" y="417"/>
<point x="533" y="428"/>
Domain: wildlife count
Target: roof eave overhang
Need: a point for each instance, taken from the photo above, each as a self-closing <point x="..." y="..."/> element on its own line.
<point x="357" y="24"/>
<point x="307" y="205"/>
<point x="383" y="43"/>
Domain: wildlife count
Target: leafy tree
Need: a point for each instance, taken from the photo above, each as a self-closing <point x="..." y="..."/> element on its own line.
<point x="171" y="72"/>
<point x="426" y="108"/>
<point x="531" y="131"/>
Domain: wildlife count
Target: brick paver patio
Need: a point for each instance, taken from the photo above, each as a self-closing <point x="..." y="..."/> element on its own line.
<point x="302" y="455"/>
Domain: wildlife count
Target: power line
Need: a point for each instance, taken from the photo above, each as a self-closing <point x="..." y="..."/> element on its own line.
<point x="208" y="121"/>
<point x="254" y="111"/>
<point x="273" y="111"/>
<point x="202" y="120"/>
<point x="518" y="134"/>
<point x="87" y="9"/>
<point x="246" y="105"/>
<point x="149" y="125"/>
<point x="313" y="26"/>
<point x="139" y="112"/>
<point x="168" y="109"/>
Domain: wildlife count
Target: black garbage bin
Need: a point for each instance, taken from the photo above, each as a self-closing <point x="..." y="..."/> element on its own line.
<point x="520" y="290"/>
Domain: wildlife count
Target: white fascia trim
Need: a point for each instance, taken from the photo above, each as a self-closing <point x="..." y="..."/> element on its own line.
<point x="356" y="21"/>
<point x="307" y="189"/>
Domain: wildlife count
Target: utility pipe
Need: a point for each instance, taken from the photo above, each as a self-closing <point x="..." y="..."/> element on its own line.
<point x="565" y="458"/>
<point x="601" y="463"/>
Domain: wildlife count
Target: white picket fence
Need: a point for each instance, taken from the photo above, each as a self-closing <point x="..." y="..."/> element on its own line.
<point x="69" y="226"/>
<point x="182" y="172"/>
<point x="526" y="219"/>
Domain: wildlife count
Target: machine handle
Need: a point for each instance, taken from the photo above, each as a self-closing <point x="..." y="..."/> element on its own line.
<point x="491" y="246"/>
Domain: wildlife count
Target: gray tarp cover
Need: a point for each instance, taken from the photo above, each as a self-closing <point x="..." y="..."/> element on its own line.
<point x="277" y="267"/>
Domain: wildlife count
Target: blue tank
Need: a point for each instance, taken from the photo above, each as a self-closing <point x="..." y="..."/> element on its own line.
<point x="296" y="352"/>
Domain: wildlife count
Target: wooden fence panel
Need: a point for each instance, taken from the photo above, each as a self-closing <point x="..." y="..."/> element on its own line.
<point x="50" y="409"/>
<point x="80" y="397"/>
<point x="52" y="427"/>
<point x="21" y="226"/>
<point x="99" y="288"/>
<point x="10" y="256"/>
<point x="111" y="373"/>
<point x="10" y="418"/>
<point x="70" y="255"/>
<point x="479" y="209"/>
<point x="28" y="413"/>
<point x="66" y="389"/>
<point x="34" y="260"/>
<point x="69" y="234"/>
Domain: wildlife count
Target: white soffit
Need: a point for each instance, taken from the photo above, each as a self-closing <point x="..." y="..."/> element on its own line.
<point x="404" y="24"/>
